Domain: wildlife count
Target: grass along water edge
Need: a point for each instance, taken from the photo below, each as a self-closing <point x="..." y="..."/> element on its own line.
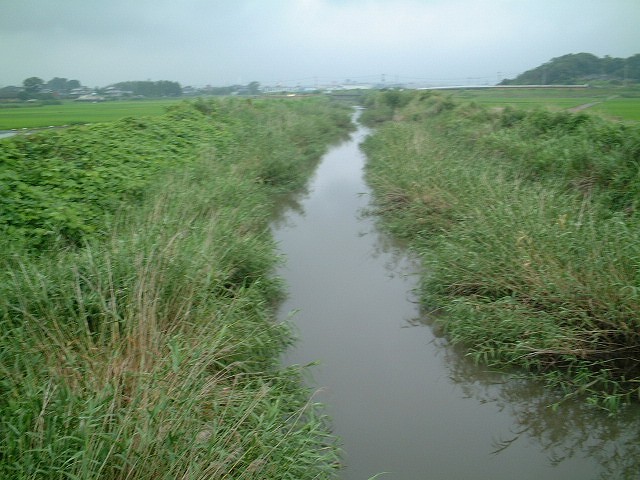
<point x="150" y="350"/>
<point x="529" y="249"/>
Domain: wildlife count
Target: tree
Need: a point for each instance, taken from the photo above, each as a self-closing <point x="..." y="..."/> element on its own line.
<point x="165" y="88"/>
<point x="577" y="68"/>
<point x="161" y="88"/>
<point x="57" y="84"/>
<point x="33" y="85"/>
<point x="10" y="92"/>
<point x="632" y="68"/>
<point x="254" y="88"/>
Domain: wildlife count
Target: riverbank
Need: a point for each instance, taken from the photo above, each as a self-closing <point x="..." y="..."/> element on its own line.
<point x="139" y="334"/>
<point x="527" y="226"/>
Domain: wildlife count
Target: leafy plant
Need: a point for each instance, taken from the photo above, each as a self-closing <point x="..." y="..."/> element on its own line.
<point x="141" y="344"/>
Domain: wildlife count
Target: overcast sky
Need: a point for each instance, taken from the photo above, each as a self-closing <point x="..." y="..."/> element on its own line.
<point x="222" y="42"/>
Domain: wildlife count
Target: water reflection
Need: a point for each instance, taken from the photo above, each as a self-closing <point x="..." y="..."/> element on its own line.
<point x="286" y="205"/>
<point x="403" y="400"/>
<point x="563" y="429"/>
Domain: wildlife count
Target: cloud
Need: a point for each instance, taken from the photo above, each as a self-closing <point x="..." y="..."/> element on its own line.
<point x="221" y="42"/>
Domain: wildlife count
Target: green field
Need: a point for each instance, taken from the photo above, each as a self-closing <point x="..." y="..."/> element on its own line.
<point x="70" y="113"/>
<point x="624" y="108"/>
<point x="617" y="103"/>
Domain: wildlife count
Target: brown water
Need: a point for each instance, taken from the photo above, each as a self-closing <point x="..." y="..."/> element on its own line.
<point x="402" y="400"/>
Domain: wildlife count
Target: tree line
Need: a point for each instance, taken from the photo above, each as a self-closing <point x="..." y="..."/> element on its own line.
<point x="36" y="88"/>
<point x="580" y="68"/>
<point x="147" y="88"/>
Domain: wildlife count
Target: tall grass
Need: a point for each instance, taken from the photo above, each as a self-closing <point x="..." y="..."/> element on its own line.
<point x="528" y="229"/>
<point x="151" y="352"/>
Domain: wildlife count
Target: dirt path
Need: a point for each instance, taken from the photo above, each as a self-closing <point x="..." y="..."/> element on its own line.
<point x="584" y="106"/>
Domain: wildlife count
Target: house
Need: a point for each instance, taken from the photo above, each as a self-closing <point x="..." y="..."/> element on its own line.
<point x="92" y="97"/>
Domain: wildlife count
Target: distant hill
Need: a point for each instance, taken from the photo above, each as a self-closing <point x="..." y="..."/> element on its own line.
<point x="580" y="68"/>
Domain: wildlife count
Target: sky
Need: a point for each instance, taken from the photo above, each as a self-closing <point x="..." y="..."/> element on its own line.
<point x="306" y="42"/>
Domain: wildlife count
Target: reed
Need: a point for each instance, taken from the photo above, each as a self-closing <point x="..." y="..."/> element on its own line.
<point x="528" y="229"/>
<point x="152" y="351"/>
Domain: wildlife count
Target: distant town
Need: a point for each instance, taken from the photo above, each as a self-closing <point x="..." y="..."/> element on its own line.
<point x="142" y="90"/>
<point x="35" y="89"/>
<point x="571" y="70"/>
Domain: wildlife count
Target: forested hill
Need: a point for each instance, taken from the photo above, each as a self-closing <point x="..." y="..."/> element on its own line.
<point x="580" y="68"/>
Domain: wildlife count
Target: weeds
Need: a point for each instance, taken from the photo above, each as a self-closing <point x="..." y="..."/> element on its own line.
<point x="149" y="350"/>
<point x="528" y="230"/>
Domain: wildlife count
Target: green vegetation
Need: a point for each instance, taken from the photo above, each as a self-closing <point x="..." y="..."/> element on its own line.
<point x="554" y="98"/>
<point x="36" y="88"/>
<point x="147" y="88"/>
<point x="578" y="68"/>
<point x="620" y="103"/>
<point x="621" y="108"/>
<point x="137" y="297"/>
<point x="71" y="113"/>
<point x="528" y="226"/>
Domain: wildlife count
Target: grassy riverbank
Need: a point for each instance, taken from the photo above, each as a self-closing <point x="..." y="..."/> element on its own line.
<point x="137" y="297"/>
<point x="528" y="227"/>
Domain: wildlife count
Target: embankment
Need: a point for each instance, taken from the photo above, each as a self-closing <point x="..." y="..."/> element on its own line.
<point x="528" y="227"/>
<point x="137" y="297"/>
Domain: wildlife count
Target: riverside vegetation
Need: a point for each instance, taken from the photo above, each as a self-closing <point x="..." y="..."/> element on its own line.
<point x="138" y="296"/>
<point x="528" y="227"/>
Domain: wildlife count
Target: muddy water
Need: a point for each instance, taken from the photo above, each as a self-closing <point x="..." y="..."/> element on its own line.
<point x="403" y="401"/>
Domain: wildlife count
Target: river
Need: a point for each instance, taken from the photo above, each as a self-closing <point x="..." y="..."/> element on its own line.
<point x="401" y="399"/>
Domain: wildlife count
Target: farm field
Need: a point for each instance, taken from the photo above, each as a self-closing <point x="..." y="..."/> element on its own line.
<point x="624" y="108"/>
<point x="618" y="103"/>
<point x="69" y="113"/>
